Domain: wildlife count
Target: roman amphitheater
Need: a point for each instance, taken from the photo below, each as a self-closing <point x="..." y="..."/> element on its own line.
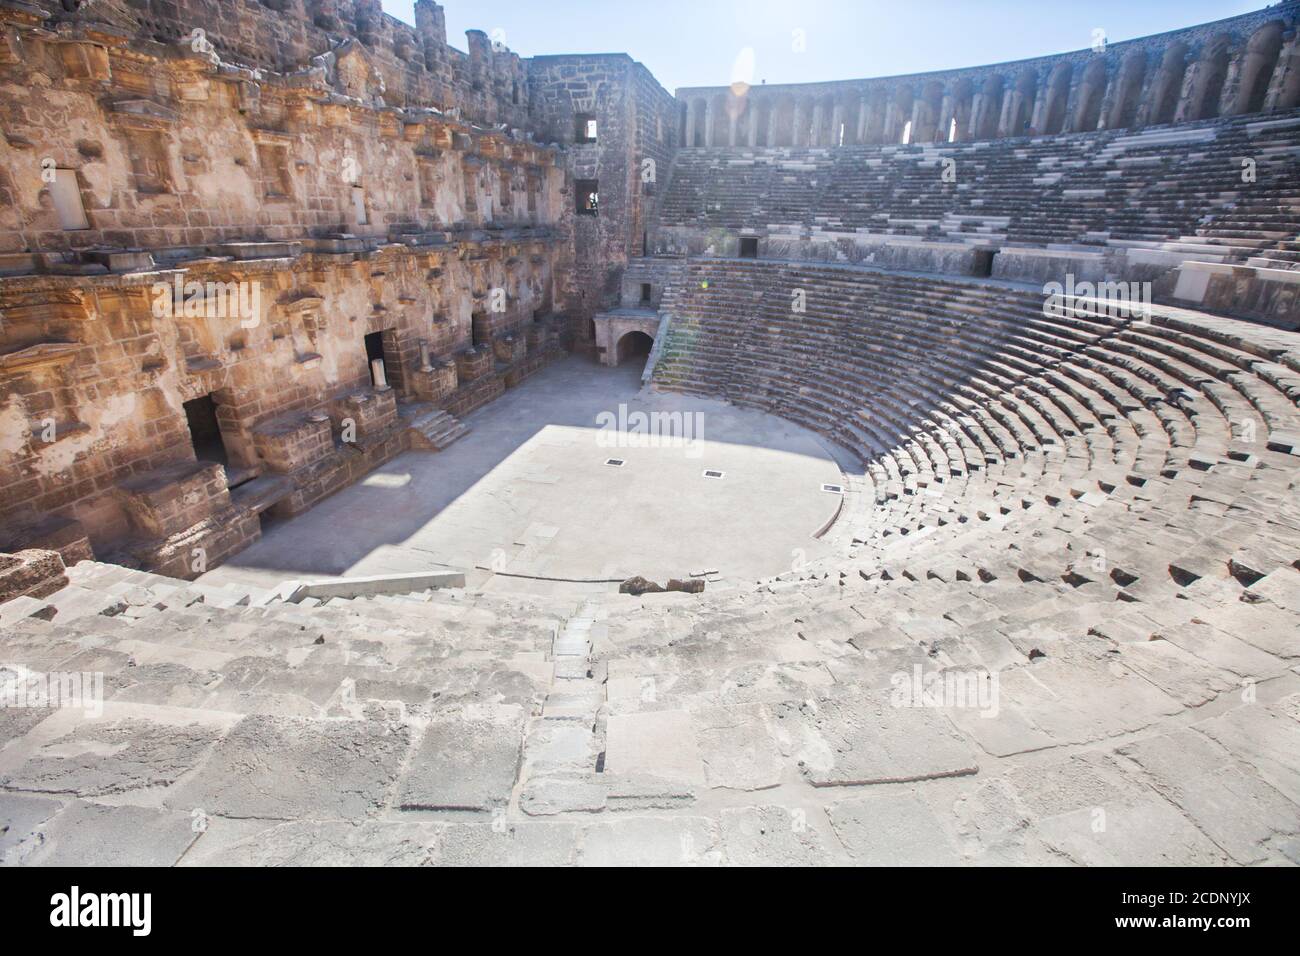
<point x="416" y="456"/>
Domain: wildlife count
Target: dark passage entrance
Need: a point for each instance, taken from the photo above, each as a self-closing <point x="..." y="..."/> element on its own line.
<point x="480" y="330"/>
<point x="205" y="432"/>
<point x="749" y="247"/>
<point x="374" y="350"/>
<point x="634" y="345"/>
<point x="982" y="264"/>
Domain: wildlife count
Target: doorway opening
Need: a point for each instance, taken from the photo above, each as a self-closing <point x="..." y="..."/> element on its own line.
<point x="749" y="247"/>
<point x="375" y="350"/>
<point x="982" y="264"/>
<point x="480" y="330"/>
<point x="634" y="346"/>
<point x="205" y="431"/>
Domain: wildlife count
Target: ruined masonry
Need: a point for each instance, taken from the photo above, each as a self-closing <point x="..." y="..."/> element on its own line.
<point x="1046" y="312"/>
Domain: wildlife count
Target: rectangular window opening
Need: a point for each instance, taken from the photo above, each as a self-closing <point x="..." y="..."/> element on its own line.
<point x="585" y="128"/>
<point x="588" y="197"/>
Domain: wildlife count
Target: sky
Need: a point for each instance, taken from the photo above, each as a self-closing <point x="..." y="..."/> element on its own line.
<point x="699" y="42"/>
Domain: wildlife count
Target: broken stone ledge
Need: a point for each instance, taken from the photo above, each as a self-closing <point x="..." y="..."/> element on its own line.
<point x="295" y="591"/>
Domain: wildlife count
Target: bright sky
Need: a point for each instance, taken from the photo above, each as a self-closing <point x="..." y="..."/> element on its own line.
<point x="698" y="42"/>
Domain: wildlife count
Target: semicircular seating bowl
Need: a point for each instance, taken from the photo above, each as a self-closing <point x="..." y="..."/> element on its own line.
<point x="1086" y="526"/>
<point x="965" y="402"/>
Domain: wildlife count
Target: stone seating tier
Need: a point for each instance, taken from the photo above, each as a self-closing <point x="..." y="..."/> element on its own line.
<point x="1094" y="189"/>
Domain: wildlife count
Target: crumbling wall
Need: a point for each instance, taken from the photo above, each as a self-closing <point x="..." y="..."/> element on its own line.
<point x="419" y="68"/>
<point x="633" y="149"/>
<point x="243" y="233"/>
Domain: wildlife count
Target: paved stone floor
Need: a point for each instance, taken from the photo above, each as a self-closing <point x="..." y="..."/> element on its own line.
<point x="527" y="493"/>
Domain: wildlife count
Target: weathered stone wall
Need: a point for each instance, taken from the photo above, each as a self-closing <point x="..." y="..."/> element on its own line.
<point x="633" y="150"/>
<point x="413" y="66"/>
<point x="243" y="233"/>
<point x="189" y="154"/>
<point x="1240" y="65"/>
<point x="94" y="381"/>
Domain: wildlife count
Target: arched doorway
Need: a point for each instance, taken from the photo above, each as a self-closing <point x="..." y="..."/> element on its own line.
<point x="634" y="346"/>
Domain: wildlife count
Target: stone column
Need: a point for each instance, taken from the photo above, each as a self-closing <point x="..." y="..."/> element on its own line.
<point x="1038" y="115"/>
<point x="1007" y="113"/>
<point x="947" y="113"/>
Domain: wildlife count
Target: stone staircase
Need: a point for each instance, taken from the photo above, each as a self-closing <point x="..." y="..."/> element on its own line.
<point x="433" y="429"/>
<point x="769" y="726"/>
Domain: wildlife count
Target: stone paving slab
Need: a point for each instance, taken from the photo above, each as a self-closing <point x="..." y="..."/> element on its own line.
<point x="1144" y="833"/>
<point x="882" y="828"/>
<point x="286" y="768"/>
<point x="773" y="836"/>
<point x="88" y="834"/>
<point x="1265" y="738"/>
<point x="333" y="843"/>
<point x="80" y="756"/>
<point x="737" y="750"/>
<point x="1221" y="794"/>
<point x="20" y="818"/>
<point x="660" y="744"/>
<point x="865" y="739"/>
<point x="464" y="763"/>
<point x="652" y="841"/>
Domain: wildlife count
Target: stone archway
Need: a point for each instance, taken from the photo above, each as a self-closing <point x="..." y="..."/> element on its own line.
<point x="634" y="345"/>
<point x="613" y="330"/>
